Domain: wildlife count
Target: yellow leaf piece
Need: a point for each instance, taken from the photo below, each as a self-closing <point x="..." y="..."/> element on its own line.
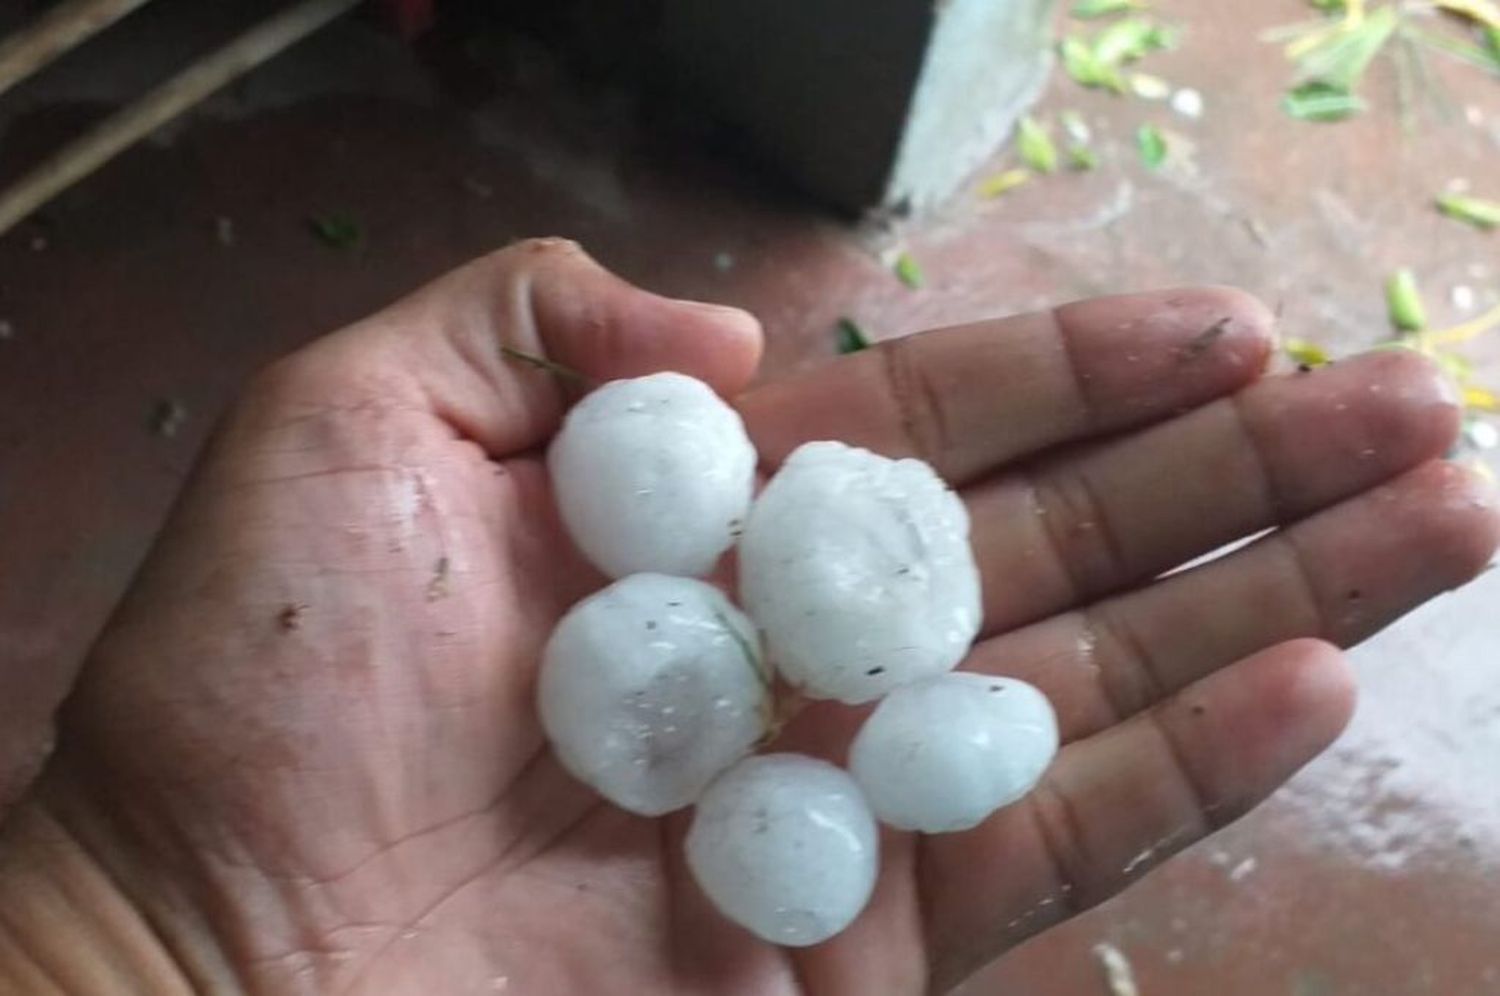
<point x="1481" y="399"/>
<point x="1467" y="331"/>
<point x="1483" y="11"/>
<point x="1035" y="145"/>
<point x="1308" y="354"/>
<point x="1003" y="183"/>
<point x="1149" y="87"/>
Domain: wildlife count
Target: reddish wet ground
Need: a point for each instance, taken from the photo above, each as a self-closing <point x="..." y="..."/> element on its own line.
<point x="1374" y="873"/>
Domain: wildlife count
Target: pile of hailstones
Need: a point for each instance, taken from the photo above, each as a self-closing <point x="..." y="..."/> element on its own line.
<point x="857" y="574"/>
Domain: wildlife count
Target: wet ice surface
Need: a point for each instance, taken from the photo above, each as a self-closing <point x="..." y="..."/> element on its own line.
<point x="785" y="846"/>
<point x="942" y="754"/>
<point x="858" y="570"/>
<point x="650" y="688"/>
<point x="653" y="474"/>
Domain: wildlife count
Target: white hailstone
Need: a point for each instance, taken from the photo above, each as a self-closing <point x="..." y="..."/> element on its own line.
<point x="786" y="847"/>
<point x="650" y="688"/>
<point x="1188" y="103"/>
<point x="942" y="755"/>
<point x="858" y="570"/>
<point x="653" y="474"/>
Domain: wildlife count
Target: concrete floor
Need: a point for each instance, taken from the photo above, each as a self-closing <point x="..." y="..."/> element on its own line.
<point x="1374" y="873"/>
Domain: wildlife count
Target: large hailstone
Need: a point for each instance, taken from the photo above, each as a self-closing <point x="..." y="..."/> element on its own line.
<point x="650" y="688"/>
<point x="786" y="847"/>
<point x="858" y="570"/>
<point x="653" y="474"/>
<point x="943" y="754"/>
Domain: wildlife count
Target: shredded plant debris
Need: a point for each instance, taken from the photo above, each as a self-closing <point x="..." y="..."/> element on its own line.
<point x="1086" y="10"/>
<point x="1003" y="183"/>
<point x="1075" y="127"/>
<point x="1333" y="55"/>
<point x="1152" y="145"/>
<point x="1034" y="145"/>
<point x="1132" y="39"/>
<point x="1086" y="70"/>
<point x="908" y="271"/>
<point x="1476" y="211"/>
<point x="851" y="338"/>
<point x="1480" y="401"/>
<point x="542" y="363"/>
<point x="1306" y="354"/>
<point x="1149" y="87"/>
<point x="1404" y="302"/>
<point x="1321" y="102"/>
<point x="1081" y="157"/>
<point x="1098" y="62"/>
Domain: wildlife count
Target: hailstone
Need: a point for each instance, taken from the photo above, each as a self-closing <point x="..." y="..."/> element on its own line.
<point x="653" y="474"/>
<point x="785" y="846"/>
<point x="651" y="687"/>
<point x="943" y="754"/>
<point x="858" y="570"/>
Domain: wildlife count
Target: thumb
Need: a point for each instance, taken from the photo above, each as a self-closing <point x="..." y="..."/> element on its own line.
<point x="451" y="347"/>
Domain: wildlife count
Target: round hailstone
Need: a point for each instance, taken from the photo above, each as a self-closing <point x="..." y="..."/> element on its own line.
<point x="653" y="474"/>
<point x="858" y="570"/>
<point x="786" y="847"/>
<point x="943" y="754"/>
<point x="650" y="688"/>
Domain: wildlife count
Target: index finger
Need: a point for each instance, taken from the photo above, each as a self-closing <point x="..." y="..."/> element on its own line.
<point x="969" y="398"/>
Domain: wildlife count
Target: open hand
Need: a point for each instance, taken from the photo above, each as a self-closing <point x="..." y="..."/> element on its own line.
<point x="304" y="757"/>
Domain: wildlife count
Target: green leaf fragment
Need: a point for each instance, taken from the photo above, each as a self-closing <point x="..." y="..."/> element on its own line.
<point x="1035" y="146"/>
<point x="1086" y="9"/>
<point x="1330" y="6"/>
<point x="1131" y="39"/>
<point x="1342" y="59"/>
<point x="908" y="271"/>
<point x="1081" y="157"/>
<point x="851" y="338"/>
<point x="1321" y="102"/>
<point x="1080" y="64"/>
<point x="1152" y="145"/>
<point x="1486" y="57"/>
<point x="1404" y="302"/>
<point x="1476" y="211"/>
<point x="1307" y="354"/>
<point x="338" y="231"/>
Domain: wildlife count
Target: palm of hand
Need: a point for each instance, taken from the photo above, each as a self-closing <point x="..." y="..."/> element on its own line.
<point x="312" y="722"/>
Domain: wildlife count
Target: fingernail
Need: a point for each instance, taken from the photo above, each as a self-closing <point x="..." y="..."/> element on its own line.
<point x="1448" y="391"/>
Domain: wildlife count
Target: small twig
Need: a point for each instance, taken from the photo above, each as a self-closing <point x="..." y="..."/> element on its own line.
<point x="542" y="363"/>
<point x="130" y="124"/>
<point x="56" y="33"/>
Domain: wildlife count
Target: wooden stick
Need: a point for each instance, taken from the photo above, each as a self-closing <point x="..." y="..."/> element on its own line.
<point x="57" y="32"/>
<point x="130" y="124"/>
